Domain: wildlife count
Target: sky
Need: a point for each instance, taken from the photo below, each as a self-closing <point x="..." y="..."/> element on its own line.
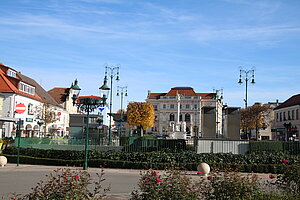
<point x="158" y="44"/>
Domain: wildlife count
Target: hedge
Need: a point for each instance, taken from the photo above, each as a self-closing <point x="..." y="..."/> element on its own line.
<point x="161" y="157"/>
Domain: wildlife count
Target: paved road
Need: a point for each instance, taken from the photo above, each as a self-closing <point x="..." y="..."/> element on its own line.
<point x="122" y="182"/>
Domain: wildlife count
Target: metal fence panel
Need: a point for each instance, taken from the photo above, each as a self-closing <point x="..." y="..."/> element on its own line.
<point x="222" y="146"/>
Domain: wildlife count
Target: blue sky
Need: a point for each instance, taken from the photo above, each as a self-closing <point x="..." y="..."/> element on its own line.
<point x="158" y="45"/>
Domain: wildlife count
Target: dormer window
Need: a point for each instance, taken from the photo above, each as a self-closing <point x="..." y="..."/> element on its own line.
<point x="24" y="87"/>
<point x="11" y="73"/>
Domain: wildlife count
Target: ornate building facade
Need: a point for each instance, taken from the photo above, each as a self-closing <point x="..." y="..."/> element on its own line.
<point x="198" y="114"/>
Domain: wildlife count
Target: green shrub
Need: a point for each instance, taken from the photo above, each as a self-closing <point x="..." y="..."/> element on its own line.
<point x="290" y="179"/>
<point x="68" y="184"/>
<point x="229" y="185"/>
<point x="171" y="185"/>
<point x="263" y="162"/>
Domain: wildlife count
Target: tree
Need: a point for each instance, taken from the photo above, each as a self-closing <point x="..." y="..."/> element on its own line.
<point x="255" y="117"/>
<point x="121" y="111"/>
<point x="47" y="114"/>
<point x="140" y="114"/>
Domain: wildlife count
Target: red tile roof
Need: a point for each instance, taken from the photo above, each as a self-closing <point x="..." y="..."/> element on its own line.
<point x="186" y="91"/>
<point x="292" y="101"/>
<point x="10" y="84"/>
<point x="59" y="94"/>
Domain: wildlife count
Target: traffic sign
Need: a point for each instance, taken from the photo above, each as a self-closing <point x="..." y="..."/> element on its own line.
<point x="20" y="108"/>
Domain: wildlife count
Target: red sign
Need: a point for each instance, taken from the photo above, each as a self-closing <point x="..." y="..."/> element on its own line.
<point x="20" y="108"/>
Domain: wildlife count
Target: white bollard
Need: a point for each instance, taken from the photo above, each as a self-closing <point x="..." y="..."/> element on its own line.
<point x="204" y="168"/>
<point x="3" y="161"/>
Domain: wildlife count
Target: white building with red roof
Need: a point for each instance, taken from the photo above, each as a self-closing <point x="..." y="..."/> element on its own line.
<point x="201" y="113"/>
<point x="22" y="98"/>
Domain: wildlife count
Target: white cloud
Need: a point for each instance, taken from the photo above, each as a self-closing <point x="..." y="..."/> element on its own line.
<point x="248" y="33"/>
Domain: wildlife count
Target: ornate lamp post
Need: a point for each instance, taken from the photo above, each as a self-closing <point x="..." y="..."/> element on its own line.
<point x="111" y="72"/>
<point x="244" y="75"/>
<point x="87" y="104"/>
<point x="122" y="89"/>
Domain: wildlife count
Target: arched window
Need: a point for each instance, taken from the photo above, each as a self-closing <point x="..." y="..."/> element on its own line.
<point x="172" y="117"/>
<point x="187" y="117"/>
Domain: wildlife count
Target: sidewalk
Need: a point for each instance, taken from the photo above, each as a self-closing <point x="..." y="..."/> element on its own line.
<point x="122" y="182"/>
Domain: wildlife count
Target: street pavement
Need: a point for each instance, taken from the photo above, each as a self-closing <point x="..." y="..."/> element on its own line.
<point x="21" y="179"/>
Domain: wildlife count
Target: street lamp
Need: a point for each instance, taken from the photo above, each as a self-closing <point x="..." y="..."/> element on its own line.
<point x="244" y="75"/>
<point x="86" y="104"/>
<point x="40" y="123"/>
<point x="112" y="72"/>
<point x="122" y="89"/>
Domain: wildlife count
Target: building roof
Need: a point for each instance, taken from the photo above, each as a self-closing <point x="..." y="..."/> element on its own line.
<point x="186" y="91"/>
<point x="59" y="94"/>
<point x="10" y="85"/>
<point x="39" y="91"/>
<point x="292" y="101"/>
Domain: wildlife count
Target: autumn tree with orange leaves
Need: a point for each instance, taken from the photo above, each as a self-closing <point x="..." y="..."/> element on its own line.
<point x="255" y="117"/>
<point x="140" y="114"/>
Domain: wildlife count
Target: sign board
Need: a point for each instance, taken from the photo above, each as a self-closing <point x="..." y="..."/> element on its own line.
<point x="20" y="108"/>
<point x="29" y="120"/>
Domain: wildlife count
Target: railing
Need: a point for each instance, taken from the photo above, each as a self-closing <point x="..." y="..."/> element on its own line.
<point x="128" y="144"/>
<point x="146" y="144"/>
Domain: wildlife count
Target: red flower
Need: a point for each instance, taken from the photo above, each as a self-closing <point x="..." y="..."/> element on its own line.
<point x="271" y="176"/>
<point x="284" y="161"/>
<point x="199" y="172"/>
<point x="154" y="173"/>
<point x="158" y="180"/>
<point x="76" y="177"/>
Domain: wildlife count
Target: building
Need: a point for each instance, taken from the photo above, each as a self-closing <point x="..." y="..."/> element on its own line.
<point x="202" y="114"/>
<point x="287" y="121"/>
<point x="23" y="99"/>
<point x="78" y="127"/>
<point x="121" y="127"/>
<point x="264" y="132"/>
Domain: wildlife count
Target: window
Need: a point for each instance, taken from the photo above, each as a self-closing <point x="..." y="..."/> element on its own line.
<point x="180" y="117"/>
<point x="23" y="87"/>
<point x="187" y="117"/>
<point x="281" y="117"/>
<point x="187" y="106"/>
<point x="277" y="117"/>
<point x="293" y="114"/>
<point x="172" y="117"/>
<point x="164" y="106"/>
<point x="284" y="119"/>
<point x="30" y="109"/>
<point x="172" y="106"/>
<point x="297" y="114"/>
<point x="195" y="106"/>
<point x="289" y="115"/>
<point x="155" y="107"/>
<point x="11" y="73"/>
